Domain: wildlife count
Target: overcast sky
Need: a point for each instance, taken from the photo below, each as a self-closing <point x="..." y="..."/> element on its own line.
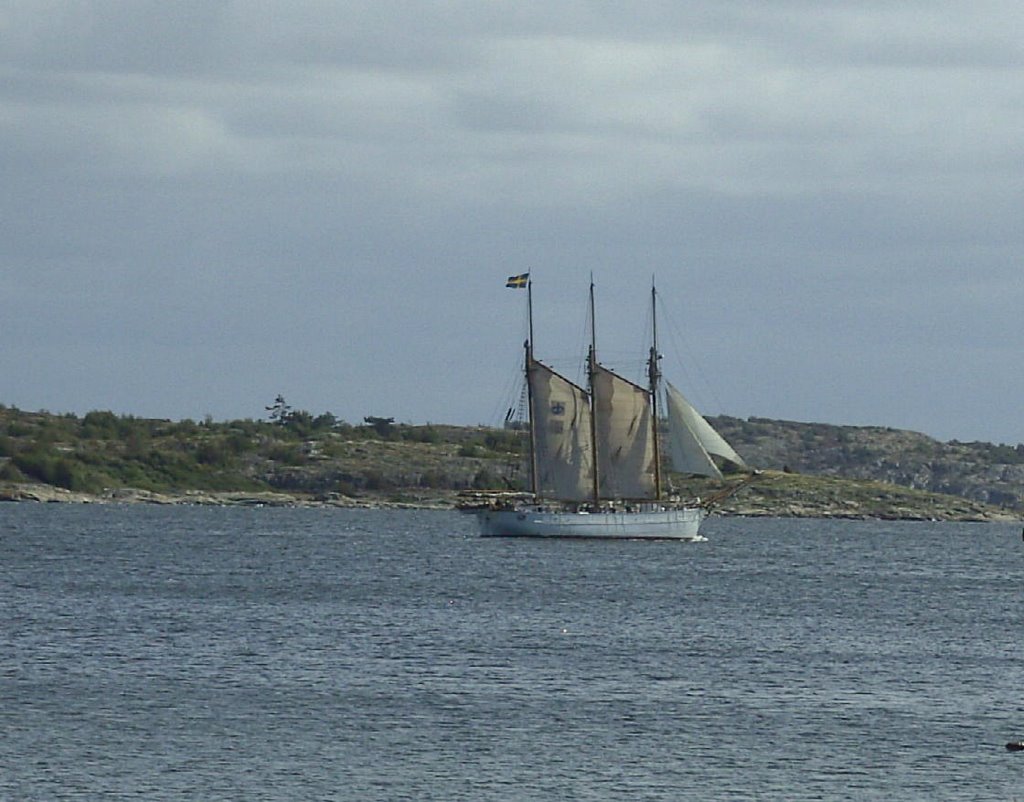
<point x="207" y="203"/>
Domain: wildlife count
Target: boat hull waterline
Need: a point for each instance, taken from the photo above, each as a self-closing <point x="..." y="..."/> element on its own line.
<point x="681" y="523"/>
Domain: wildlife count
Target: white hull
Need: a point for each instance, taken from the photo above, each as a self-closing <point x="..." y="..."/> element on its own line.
<point x="681" y="523"/>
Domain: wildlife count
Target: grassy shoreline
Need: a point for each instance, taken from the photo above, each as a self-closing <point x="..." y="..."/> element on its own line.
<point x="302" y="460"/>
<point x="775" y="495"/>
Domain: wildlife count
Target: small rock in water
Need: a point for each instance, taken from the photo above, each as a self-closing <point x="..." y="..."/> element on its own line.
<point x="1015" y="746"/>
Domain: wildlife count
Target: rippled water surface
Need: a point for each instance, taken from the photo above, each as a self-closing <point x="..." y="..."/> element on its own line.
<point x="215" y="654"/>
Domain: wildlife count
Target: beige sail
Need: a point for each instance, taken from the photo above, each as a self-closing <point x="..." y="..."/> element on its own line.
<point x="693" y="441"/>
<point x="625" y="439"/>
<point x="561" y="419"/>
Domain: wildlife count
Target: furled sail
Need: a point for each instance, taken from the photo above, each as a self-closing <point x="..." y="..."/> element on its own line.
<point x="625" y="439"/>
<point x="693" y="441"/>
<point x="561" y="419"/>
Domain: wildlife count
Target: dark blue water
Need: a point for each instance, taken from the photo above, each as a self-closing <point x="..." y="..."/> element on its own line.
<point x="215" y="654"/>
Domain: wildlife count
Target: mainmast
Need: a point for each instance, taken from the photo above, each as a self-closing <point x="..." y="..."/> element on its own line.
<point x="654" y="377"/>
<point x="592" y="373"/>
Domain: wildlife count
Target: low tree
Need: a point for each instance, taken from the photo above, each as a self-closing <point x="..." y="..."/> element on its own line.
<point x="279" y="411"/>
<point x="382" y="426"/>
<point x="325" y="422"/>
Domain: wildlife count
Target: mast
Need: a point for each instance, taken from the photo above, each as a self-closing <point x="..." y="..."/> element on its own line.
<point x="654" y="375"/>
<point x="528" y="346"/>
<point x="592" y="372"/>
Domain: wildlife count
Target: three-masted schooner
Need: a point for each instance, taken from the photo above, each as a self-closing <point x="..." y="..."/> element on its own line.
<point x="595" y="462"/>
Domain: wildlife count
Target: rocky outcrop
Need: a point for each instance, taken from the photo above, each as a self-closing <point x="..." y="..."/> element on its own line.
<point x="40" y="493"/>
<point x="772" y="494"/>
<point x="981" y="472"/>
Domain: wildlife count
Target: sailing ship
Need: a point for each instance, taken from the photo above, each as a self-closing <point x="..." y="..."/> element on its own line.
<point x="595" y="455"/>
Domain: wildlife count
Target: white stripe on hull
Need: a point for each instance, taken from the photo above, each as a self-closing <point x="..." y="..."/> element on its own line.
<point x="671" y="524"/>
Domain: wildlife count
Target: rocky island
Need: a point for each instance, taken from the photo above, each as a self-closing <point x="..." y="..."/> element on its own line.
<point x="298" y="459"/>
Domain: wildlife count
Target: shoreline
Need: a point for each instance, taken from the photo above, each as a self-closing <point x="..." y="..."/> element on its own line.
<point x="15" y="492"/>
<point x="47" y="494"/>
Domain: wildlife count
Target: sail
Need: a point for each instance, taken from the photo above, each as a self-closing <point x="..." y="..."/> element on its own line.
<point x="693" y="441"/>
<point x="561" y="419"/>
<point x="625" y="438"/>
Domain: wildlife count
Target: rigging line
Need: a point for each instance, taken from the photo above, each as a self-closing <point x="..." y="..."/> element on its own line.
<point x="645" y="344"/>
<point x="512" y="388"/>
<point x="621" y="360"/>
<point x="511" y="391"/>
<point x="629" y="362"/>
<point x="676" y="334"/>
<point x="581" y="349"/>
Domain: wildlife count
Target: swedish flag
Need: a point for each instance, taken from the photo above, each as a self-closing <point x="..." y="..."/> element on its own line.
<point x="518" y="282"/>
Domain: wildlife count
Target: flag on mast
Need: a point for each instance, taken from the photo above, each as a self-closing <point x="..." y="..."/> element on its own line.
<point x="518" y="282"/>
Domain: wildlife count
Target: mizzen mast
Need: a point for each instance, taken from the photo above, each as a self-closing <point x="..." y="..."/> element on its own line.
<point x="592" y="373"/>
<point x="654" y="378"/>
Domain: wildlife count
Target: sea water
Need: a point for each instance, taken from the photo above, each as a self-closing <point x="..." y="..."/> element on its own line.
<point x="313" y="654"/>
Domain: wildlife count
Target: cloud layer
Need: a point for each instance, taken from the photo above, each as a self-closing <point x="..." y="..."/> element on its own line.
<point x="209" y="203"/>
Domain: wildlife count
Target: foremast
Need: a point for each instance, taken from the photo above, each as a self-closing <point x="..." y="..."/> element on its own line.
<point x="528" y="366"/>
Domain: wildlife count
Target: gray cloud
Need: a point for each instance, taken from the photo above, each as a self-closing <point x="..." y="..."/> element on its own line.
<point x="208" y="203"/>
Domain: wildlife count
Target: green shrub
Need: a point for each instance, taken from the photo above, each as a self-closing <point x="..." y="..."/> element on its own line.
<point x="212" y="452"/>
<point x="421" y="434"/>
<point x="99" y="425"/>
<point x="504" y="441"/>
<point x="287" y="454"/>
<point x="375" y="480"/>
<point x="9" y="473"/>
<point x="435" y="479"/>
<point x="35" y="465"/>
<point x="484" y="480"/>
<point x="68" y="475"/>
